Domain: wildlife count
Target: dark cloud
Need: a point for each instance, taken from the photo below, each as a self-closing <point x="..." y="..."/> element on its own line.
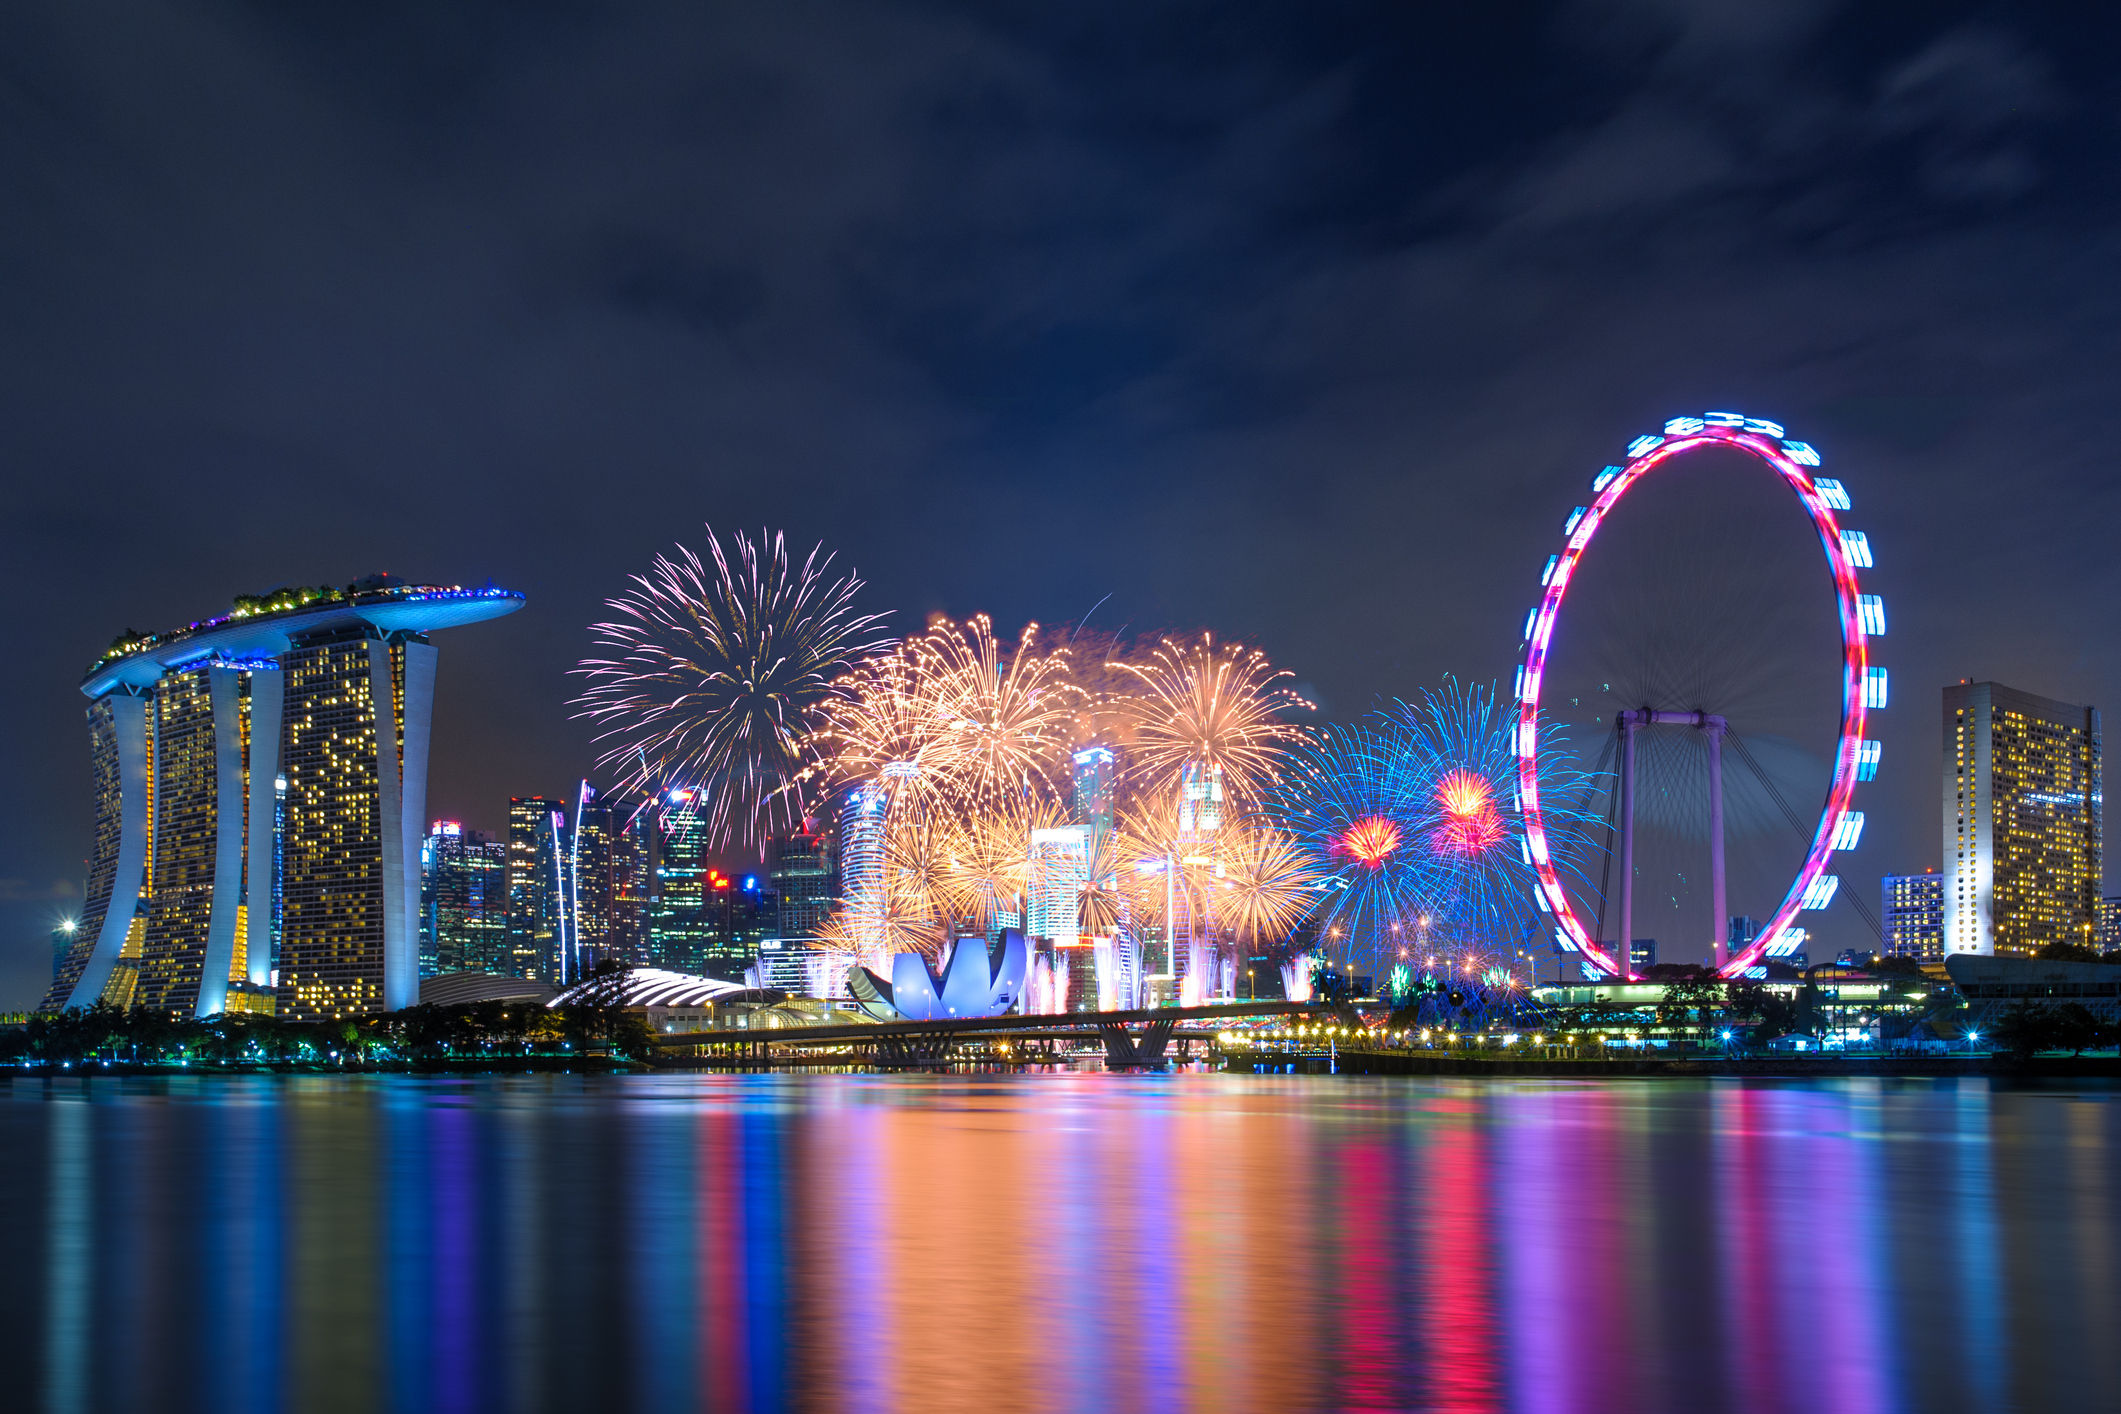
<point x="1304" y="323"/>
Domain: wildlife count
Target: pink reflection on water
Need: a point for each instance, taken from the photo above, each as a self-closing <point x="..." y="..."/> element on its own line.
<point x="1457" y="1274"/>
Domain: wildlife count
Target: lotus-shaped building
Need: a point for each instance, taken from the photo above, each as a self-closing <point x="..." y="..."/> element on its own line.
<point x="982" y="979"/>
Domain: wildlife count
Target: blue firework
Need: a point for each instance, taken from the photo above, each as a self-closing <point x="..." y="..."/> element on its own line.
<point x="1479" y="890"/>
<point x="1413" y="814"/>
<point x="1347" y="801"/>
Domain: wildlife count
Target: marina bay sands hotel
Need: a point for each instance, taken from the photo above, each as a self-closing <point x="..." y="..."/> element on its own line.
<point x="261" y="796"/>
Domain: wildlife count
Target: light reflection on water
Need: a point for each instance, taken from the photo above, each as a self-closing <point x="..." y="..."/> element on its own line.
<point x="1056" y="1242"/>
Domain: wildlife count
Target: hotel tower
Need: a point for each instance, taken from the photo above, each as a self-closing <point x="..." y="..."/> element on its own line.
<point x="2022" y="839"/>
<point x="261" y="787"/>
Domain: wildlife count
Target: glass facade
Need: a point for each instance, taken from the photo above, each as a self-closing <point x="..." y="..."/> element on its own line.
<point x="799" y="871"/>
<point x="589" y="860"/>
<point x="463" y="901"/>
<point x="632" y="863"/>
<point x="682" y="932"/>
<point x="535" y="897"/>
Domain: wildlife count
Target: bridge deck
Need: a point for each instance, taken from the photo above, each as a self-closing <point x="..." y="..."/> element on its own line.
<point x="1062" y="1023"/>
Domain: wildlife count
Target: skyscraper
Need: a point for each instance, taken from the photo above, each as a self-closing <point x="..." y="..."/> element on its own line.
<point x="463" y="901"/>
<point x="681" y="931"/>
<point x="632" y="860"/>
<point x="589" y="860"/>
<point x="1060" y="864"/>
<point x="1913" y="915"/>
<point x="862" y="866"/>
<point x="2022" y="847"/>
<point x="1059" y="870"/>
<point x="537" y="895"/>
<point x="260" y="777"/>
<point x="799" y="871"/>
<point x="1093" y="790"/>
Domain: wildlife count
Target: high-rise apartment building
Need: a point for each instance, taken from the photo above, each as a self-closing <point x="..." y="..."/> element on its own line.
<point x="1913" y="915"/>
<point x="259" y="783"/>
<point x="537" y="887"/>
<point x="2022" y="845"/>
<point x="463" y="901"/>
<point x="801" y="874"/>
<point x="2109" y="925"/>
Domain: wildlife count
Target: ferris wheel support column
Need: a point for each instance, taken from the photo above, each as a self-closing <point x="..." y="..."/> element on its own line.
<point x="1715" y="727"/>
<point x="1624" y="949"/>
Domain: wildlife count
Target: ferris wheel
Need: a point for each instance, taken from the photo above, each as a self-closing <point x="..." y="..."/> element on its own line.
<point x="1863" y="689"/>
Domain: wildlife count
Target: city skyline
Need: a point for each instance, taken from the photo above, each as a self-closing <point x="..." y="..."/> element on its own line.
<point x="1041" y="418"/>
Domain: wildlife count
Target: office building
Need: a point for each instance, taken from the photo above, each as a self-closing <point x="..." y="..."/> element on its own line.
<point x="861" y="843"/>
<point x="1059" y="870"/>
<point x="463" y="901"/>
<point x="260" y="780"/>
<point x="633" y="848"/>
<point x="589" y="883"/>
<point x="737" y="918"/>
<point x="1094" y="783"/>
<point x="801" y="873"/>
<point x="537" y="889"/>
<point x="2022" y="846"/>
<point x="1200" y="801"/>
<point x="1913" y="914"/>
<point x="682" y="929"/>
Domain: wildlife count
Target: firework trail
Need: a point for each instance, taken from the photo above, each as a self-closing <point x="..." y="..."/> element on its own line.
<point x="712" y="673"/>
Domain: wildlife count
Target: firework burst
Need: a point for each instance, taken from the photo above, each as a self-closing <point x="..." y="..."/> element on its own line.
<point x="950" y="722"/>
<point x="712" y="672"/>
<point x="1413" y="815"/>
<point x="1348" y="798"/>
<point x="1479" y="889"/>
<point x="1264" y="883"/>
<point x="1210" y="711"/>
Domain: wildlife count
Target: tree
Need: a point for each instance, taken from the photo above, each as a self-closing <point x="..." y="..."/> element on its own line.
<point x="2026" y="1029"/>
<point x="1692" y="1000"/>
<point x="2076" y="1029"/>
<point x="1771" y="1013"/>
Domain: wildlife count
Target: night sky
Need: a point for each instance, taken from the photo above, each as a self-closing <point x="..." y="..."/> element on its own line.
<point x="1302" y="322"/>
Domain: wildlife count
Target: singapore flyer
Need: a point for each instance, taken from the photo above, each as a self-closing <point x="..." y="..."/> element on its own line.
<point x="1862" y="689"/>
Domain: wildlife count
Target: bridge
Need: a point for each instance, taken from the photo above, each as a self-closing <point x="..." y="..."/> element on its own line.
<point x="1132" y="1039"/>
